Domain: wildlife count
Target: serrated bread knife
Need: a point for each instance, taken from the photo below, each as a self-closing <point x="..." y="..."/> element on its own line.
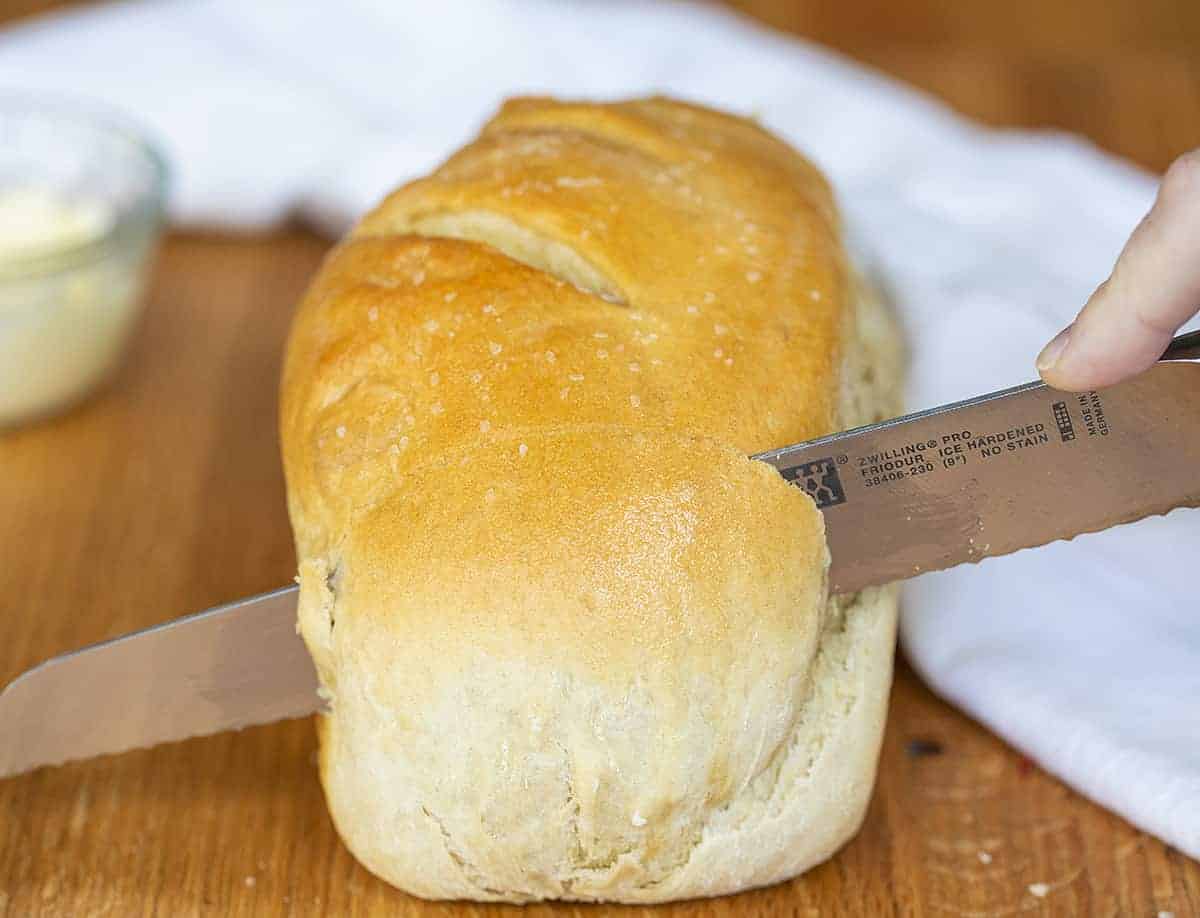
<point x="1008" y="470"/>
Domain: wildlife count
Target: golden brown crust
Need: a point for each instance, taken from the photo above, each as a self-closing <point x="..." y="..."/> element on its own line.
<point x="517" y="405"/>
<point x="719" y="240"/>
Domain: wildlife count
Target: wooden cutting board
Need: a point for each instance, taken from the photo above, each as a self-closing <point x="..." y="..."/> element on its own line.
<point x="164" y="496"/>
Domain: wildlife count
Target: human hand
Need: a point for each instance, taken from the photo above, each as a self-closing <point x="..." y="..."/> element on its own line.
<point x="1154" y="288"/>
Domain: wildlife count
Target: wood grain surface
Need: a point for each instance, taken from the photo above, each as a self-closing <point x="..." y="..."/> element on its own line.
<point x="164" y="495"/>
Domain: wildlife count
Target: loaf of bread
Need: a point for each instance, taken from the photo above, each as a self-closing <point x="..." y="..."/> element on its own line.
<point x="576" y="645"/>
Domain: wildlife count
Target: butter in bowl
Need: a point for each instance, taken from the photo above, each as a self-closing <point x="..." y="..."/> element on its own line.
<point x="81" y="205"/>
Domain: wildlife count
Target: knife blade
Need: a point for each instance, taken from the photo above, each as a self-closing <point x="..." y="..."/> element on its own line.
<point x="1008" y="470"/>
<point x="229" y="667"/>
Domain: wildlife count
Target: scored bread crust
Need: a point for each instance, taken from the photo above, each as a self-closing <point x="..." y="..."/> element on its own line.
<point x="576" y="644"/>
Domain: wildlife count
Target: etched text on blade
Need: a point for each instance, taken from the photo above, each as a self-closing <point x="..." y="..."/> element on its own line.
<point x="1009" y="470"/>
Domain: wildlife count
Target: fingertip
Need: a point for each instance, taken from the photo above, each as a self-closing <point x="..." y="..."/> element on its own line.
<point x="1064" y="380"/>
<point x="1054" y="370"/>
<point x="1048" y="359"/>
<point x="1098" y="356"/>
<point x="1154" y="288"/>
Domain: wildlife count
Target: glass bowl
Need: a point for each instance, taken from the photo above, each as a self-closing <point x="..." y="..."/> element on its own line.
<point x="81" y="210"/>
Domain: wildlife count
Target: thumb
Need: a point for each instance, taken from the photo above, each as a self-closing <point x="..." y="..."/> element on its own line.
<point x="1154" y="288"/>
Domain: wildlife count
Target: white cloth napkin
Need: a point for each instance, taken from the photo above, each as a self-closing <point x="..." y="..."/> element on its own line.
<point x="1086" y="655"/>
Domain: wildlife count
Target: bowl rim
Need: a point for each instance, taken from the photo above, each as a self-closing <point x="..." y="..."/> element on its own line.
<point x="142" y="219"/>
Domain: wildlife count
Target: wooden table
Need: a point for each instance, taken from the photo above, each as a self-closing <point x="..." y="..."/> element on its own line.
<point x="164" y="495"/>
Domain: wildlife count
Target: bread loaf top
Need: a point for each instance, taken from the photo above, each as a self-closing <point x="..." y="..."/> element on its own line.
<point x="646" y="266"/>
